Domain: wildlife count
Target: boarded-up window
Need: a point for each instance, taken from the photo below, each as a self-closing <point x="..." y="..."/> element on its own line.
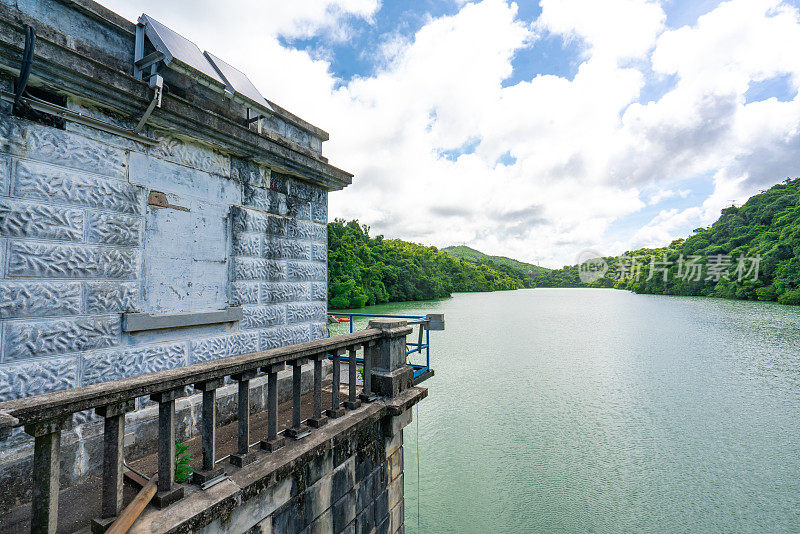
<point x="186" y="238"/>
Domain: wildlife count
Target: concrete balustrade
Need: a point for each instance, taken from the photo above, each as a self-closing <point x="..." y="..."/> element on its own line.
<point x="45" y="416"/>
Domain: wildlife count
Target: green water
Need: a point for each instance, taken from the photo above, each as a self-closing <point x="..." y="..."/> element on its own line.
<point x="571" y="410"/>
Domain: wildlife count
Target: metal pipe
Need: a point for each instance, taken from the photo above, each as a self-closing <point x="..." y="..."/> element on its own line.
<point x="379" y="315"/>
<point x="25" y="67"/>
<point x="428" y="349"/>
<point x="68" y="114"/>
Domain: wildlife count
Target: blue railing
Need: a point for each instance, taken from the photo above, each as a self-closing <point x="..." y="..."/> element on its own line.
<point x="426" y="323"/>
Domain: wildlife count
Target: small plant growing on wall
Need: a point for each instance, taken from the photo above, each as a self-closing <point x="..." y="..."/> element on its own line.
<point x="183" y="469"/>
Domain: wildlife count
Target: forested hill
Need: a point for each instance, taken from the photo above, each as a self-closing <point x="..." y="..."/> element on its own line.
<point x="476" y="256"/>
<point x="367" y="270"/>
<point x="767" y="226"/>
<point x="752" y="252"/>
<point x="364" y="270"/>
<point x="531" y="275"/>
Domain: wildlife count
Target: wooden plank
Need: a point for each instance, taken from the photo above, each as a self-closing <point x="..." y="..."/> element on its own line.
<point x="132" y="512"/>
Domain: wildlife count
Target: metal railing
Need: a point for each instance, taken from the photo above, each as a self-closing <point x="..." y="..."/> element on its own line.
<point x="431" y="321"/>
<point x="45" y="416"/>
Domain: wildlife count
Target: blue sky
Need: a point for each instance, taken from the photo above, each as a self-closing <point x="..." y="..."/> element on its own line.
<point x="552" y="54"/>
<point x="533" y="129"/>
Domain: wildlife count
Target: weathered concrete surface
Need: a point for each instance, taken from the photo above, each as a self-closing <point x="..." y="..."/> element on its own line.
<point x="348" y="474"/>
<point x="82" y="447"/>
<point x="97" y="72"/>
<point x="80" y="243"/>
<point x="137" y="322"/>
<point x="242" y="225"/>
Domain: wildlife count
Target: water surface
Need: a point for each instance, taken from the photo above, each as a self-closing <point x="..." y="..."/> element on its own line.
<point x="577" y="410"/>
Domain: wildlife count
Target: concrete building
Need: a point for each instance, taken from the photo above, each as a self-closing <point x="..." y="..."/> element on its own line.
<point x="156" y="211"/>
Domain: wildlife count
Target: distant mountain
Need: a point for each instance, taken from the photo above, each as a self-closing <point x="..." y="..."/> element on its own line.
<point x="476" y="256"/>
<point x="529" y="275"/>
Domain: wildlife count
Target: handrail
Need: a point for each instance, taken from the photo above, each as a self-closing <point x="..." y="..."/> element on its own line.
<point x="380" y="315"/>
<point x="422" y="371"/>
<point x="45" y="416"/>
<point x="66" y="402"/>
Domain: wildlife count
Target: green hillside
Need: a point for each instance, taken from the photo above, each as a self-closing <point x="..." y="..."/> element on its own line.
<point x="476" y="256"/>
<point x="365" y="270"/>
<point x="751" y="252"/>
<point x="532" y="275"/>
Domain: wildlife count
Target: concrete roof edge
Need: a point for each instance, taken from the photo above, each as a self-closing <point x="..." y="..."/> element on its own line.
<point x="76" y="68"/>
<point x="103" y="14"/>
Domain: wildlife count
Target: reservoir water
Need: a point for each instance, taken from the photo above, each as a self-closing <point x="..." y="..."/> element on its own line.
<point x="579" y="410"/>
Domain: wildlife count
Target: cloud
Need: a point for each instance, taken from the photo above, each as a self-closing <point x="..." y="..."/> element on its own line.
<point x="661" y="229"/>
<point x="613" y="29"/>
<point x="423" y="133"/>
<point x="664" y="194"/>
<point x="450" y="211"/>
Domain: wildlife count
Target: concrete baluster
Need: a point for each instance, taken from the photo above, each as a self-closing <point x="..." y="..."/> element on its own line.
<point x="113" y="458"/>
<point x="352" y="401"/>
<point x="242" y="456"/>
<point x="208" y="431"/>
<point x="336" y="408"/>
<point x="297" y="431"/>
<point x="46" y="471"/>
<point x="168" y="490"/>
<point x="318" y="419"/>
<point x="366" y="392"/>
<point x="273" y="442"/>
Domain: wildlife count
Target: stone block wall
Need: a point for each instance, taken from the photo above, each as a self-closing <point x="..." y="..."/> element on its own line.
<point x="96" y="225"/>
<point x="80" y="246"/>
<point x="352" y="485"/>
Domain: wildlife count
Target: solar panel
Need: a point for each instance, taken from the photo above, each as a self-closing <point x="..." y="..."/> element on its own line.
<point x="237" y="81"/>
<point x="177" y="47"/>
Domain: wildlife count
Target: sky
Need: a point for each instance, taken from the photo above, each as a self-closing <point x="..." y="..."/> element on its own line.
<point x="535" y="130"/>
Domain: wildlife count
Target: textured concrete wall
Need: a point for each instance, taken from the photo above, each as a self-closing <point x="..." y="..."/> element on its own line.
<point x="82" y="242"/>
<point x="80" y="246"/>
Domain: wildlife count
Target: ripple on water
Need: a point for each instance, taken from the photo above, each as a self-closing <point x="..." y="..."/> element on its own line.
<point x="604" y="411"/>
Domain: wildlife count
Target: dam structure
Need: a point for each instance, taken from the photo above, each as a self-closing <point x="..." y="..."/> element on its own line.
<point x="163" y="281"/>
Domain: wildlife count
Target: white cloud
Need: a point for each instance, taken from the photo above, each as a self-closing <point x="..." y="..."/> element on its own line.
<point x="587" y="153"/>
<point x="662" y="228"/>
<point x="663" y="194"/>
<point x="614" y="29"/>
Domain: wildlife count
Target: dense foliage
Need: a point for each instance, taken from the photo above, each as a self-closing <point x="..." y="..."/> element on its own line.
<point x="761" y="239"/>
<point x="476" y="256"/>
<point x="364" y="270"/>
<point x="531" y="275"/>
<point x="751" y="252"/>
<point x="756" y="248"/>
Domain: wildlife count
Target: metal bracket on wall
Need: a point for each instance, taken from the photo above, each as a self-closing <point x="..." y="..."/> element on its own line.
<point x="257" y="119"/>
<point x="74" y="116"/>
<point x="157" y="83"/>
